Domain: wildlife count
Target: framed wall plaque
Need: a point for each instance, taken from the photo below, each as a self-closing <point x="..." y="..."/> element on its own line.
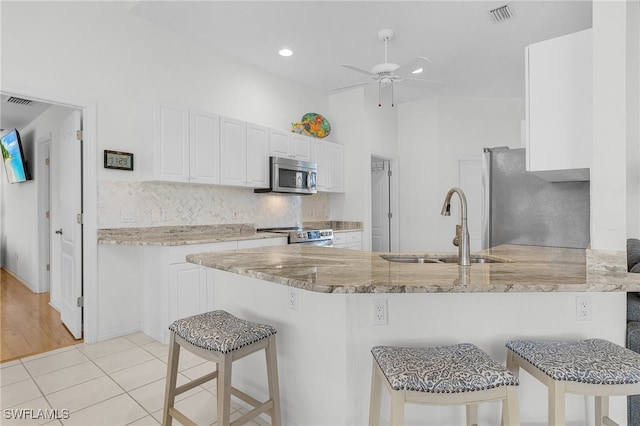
<point x="118" y="160"/>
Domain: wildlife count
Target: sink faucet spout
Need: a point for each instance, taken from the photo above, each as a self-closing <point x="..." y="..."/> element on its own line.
<point x="462" y="231"/>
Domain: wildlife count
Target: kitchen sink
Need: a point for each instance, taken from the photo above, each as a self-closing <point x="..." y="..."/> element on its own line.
<point x="435" y="258"/>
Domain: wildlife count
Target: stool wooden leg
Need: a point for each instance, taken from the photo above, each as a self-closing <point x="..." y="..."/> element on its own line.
<point x="602" y="409"/>
<point x="511" y="408"/>
<point x="272" y="378"/>
<point x="172" y="375"/>
<point x="397" y="408"/>
<point x="557" y="399"/>
<point x="472" y="414"/>
<point x="376" y="395"/>
<point x="223" y="390"/>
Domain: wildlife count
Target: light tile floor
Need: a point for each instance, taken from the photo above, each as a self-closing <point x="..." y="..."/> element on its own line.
<point x="112" y="383"/>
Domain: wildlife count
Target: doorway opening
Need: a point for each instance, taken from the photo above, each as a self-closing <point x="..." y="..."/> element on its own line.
<point x="84" y="302"/>
<point x="383" y="205"/>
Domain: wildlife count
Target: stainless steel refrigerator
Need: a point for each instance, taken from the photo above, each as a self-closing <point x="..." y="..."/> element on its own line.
<point x="521" y="208"/>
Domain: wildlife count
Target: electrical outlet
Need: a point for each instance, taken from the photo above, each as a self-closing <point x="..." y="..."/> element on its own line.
<point x="128" y="215"/>
<point x="292" y="299"/>
<point x="583" y="308"/>
<point x="165" y="214"/>
<point x="379" y="312"/>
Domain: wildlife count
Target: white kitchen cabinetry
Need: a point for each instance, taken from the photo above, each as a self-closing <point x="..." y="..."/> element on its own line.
<point x="187" y="145"/>
<point x="336" y="167"/>
<point x="559" y="107"/>
<point x="243" y="153"/>
<point x="173" y="288"/>
<point x="289" y="145"/>
<point x="350" y="240"/>
<point x="329" y="157"/>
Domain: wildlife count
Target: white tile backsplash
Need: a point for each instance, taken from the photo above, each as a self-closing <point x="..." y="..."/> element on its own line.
<point x="143" y="204"/>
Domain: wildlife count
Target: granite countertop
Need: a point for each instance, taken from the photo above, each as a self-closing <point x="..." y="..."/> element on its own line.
<point x="181" y="235"/>
<point x="202" y="234"/>
<point x="333" y="270"/>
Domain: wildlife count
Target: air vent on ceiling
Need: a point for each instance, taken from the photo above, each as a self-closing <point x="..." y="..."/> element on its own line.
<point x="501" y="13"/>
<point x="19" y="101"/>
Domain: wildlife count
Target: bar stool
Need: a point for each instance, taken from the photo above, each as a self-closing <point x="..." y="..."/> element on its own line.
<point x="222" y="338"/>
<point x="459" y="374"/>
<point x="586" y="367"/>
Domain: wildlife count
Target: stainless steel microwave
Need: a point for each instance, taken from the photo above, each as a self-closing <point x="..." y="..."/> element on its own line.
<point x="291" y="176"/>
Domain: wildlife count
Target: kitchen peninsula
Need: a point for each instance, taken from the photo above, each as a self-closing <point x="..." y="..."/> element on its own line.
<point x="321" y="301"/>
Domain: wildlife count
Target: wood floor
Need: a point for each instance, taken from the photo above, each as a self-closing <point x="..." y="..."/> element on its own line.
<point x="28" y="325"/>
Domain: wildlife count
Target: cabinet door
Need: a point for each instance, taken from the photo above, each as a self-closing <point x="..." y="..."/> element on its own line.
<point x="171" y="146"/>
<point x="188" y="290"/>
<point x="336" y="167"/>
<point x="279" y="143"/>
<point x="320" y="156"/>
<point x="233" y="152"/>
<point x="354" y="240"/>
<point x="559" y="106"/>
<point x="204" y="147"/>
<point x="301" y="147"/>
<point x="257" y="156"/>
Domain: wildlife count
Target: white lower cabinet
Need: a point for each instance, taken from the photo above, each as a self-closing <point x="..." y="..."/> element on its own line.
<point x="350" y="240"/>
<point x="173" y="288"/>
<point x="190" y="292"/>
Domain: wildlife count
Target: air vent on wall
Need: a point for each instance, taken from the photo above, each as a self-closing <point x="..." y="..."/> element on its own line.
<point x="501" y="13"/>
<point x="19" y="101"/>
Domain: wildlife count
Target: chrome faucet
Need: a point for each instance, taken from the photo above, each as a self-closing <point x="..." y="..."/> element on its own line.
<point x="462" y="231"/>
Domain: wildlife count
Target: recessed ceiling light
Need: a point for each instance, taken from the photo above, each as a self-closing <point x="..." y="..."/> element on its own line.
<point x="418" y="71"/>
<point x="285" y="52"/>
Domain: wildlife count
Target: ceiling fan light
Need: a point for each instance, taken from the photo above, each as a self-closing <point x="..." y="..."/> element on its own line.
<point x="418" y="71"/>
<point x="285" y="52"/>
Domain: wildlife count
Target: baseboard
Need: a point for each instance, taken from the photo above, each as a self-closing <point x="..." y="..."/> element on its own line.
<point x="16" y="277"/>
<point x="118" y="332"/>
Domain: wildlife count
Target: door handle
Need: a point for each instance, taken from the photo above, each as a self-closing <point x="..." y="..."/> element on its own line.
<point x="59" y="231"/>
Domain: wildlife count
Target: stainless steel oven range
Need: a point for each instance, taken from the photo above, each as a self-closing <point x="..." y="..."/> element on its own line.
<point x="316" y="237"/>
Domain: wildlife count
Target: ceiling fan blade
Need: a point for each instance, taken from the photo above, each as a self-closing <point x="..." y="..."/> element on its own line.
<point x="422" y="81"/>
<point x="360" y="70"/>
<point x="413" y="65"/>
<point x="351" y="86"/>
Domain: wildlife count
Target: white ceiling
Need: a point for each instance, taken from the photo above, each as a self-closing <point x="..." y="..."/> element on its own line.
<point x="470" y="53"/>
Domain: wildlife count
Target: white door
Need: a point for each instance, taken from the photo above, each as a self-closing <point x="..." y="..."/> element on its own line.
<point x="380" y="205"/>
<point x="70" y="218"/>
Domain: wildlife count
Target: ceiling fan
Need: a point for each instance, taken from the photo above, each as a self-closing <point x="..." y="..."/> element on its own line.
<point x="387" y="73"/>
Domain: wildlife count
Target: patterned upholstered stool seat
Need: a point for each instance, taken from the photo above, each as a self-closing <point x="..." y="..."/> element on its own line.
<point x="223" y="338"/>
<point x="457" y="374"/>
<point x="588" y="367"/>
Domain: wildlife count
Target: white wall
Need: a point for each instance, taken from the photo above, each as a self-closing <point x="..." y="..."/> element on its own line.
<point x="434" y="135"/>
<point x="633" y="119"/>
<point x="364" y="129"/>
<point x="19" y="201"/>
<point x="608" y="171"/>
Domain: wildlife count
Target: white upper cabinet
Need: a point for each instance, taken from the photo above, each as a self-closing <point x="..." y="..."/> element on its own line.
<point x="244" y="154"/>
<point x="329" y="158"/>
<point x="559" y="107"/>
<point x="301" y="147"/>
<point x="320" y="156"/>
<point x="204" y="147"/>
<point x="187" y="145"/>
<point x="336" y="167"/>
<point x="171" y="143"/>
<point x="289" y="145"/>
<point x="257" y="156"/>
